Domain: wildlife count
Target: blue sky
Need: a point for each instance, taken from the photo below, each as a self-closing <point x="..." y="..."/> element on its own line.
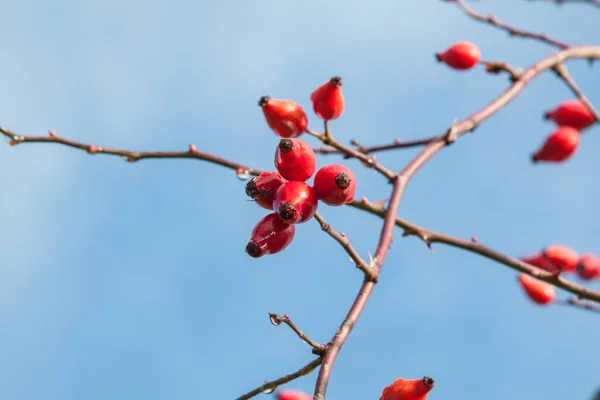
<point x="129" y="281"/>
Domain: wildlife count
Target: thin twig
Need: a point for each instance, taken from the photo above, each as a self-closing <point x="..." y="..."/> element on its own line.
<point x="129" y="156"/>
<point x="396" y="144"/>
<point x="269" y="387"/>
<point x="327" y="138"/>
<point x="278" y="319"/>
<point x="429" y="237"/>
<point x="560" y="2"/>
<point x="492" y="20"/>
<point x="341" y="238"/>
<point x="563" y="73"/>
<point x="575" y="302"/>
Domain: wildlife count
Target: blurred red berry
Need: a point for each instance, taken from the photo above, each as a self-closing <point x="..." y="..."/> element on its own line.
<point x="408" y="389"/>
<point x="269" y="236"/>
<point x="460" y="56"/>
<point x="293" y="395"/>
<point x="327" y="99"/>
<point x="262" y="188"/>
<point x="559" y="146"/>
<point x="540" y="261"/>
<point x="295" y="202"/>
<point x="571" y="113"/>
<point x="295" y="160"/>
<point x="588" y="267"/>
<point x="335" y="184"/>
<point x="285" y="117"/>
<point x="539" y="292"/>
<point x="561" y="257"/>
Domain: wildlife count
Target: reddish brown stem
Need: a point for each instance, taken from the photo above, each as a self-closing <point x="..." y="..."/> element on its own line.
<point x="560" y="2"/>
<point x="492" y="20"/>
<point x="269" y="387"/>
<point x="577" y="303"/>
<point x="563" y="73"/>
<point x="396" y="144"/>
<point x="278" y="320"/>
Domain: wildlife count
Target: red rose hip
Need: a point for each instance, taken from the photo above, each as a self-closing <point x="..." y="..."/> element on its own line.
<point x="559" y="146"/>
<point x="540" y="261"/>
<point x="539" y="292"/>
<point x="295" y="202"/>
<point x="327" y="99"/>
<point x="293" y="395"/>
<point x="460" y="56"/>
<point x="335" y="185"/>
<point x="269" y="236"/>
<point x="262" y="188"/>
<point x="588" y="267"/>
<point x="408" y="389"/>
<point x="561" y="258"/>
<point x="571" y="113"/>
<point x="285" y="117"/>
<point x="295" y="160"/>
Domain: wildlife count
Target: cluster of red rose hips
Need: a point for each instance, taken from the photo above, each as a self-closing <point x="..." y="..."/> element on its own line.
<point x="400" y="389"/>
<point x="557" y="259"/>
<point x="285" y="191"/>
<point x="571" y="116"/>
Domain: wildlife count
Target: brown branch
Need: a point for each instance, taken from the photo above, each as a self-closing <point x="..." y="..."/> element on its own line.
<point x="269" y="387"/>
<point x="429" y="237"/>
<point x="396" y="144"/>
<point x="277" y="320"/>
<point x="563" y="73"/>
<point x="492" y="20"/>
<point x="560" y="2"/>
<point x="370" y="162"/>
<point x="130" y="156"/>
<point x="370" y="273"/>
<point x="401" y="180"/>
<point x="575" y="302"/>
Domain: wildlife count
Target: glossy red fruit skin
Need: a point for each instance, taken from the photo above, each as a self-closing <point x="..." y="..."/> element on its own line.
<point x="270" y="235"/>
<point x="285" y="117"/>
<point x="295" y="160"/>
<point x="539" y="292"/>
<point x="335" y="185"/>
<point x="327" y="99"/>
<point x="408" y="389"/>
<point x="538" y="260"/>
<point x="588" y="267"/>
<point x="293" y="395"/>
<point x="561" y="257"/>
<point x="571" y="113"/>
<point x="295" y="202"/>
<point x="559" y="146"/>
<point x="262" y="188"/>
<point x="460" y="56"/>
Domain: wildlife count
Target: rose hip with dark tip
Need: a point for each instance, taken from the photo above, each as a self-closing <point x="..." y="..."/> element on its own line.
<point x="295" y="160"/>
<point x="270" y="236"/>
<point x="262" y="188"/>
<point x="335" y="185"/>
<point x="295" y="202"/>
<point x="285" y="117"/>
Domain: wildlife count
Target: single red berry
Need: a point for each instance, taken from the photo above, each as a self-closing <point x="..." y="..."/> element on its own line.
<point x="285" y="117"/>
<point x="540" y="261"/>
<point x="295" y="202"/>
<point x="561" y="257"/>
<point x="571" y="113"/>
<point x="327" y="99"/>
<point x="295" y="160"/>
<point x="539" y="292"/>
<point x="559" y="146"/>
<point x="460" y="56"/>
<point x="269" y="236"/>
<point x="262" y="188"/>
<point x="335" y="185"/>
<point x="408" y="389"/>
<point x="293" y="395"/>
<point x="588" y="267"/>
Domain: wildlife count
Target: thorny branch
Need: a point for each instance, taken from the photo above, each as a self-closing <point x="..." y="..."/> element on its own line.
<point x="278" y="320"/>
<point x="429" y="237"/>
<point x="268" y="387"/>
<point x="341" y="238"/>
<point x="492" y="20"/>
